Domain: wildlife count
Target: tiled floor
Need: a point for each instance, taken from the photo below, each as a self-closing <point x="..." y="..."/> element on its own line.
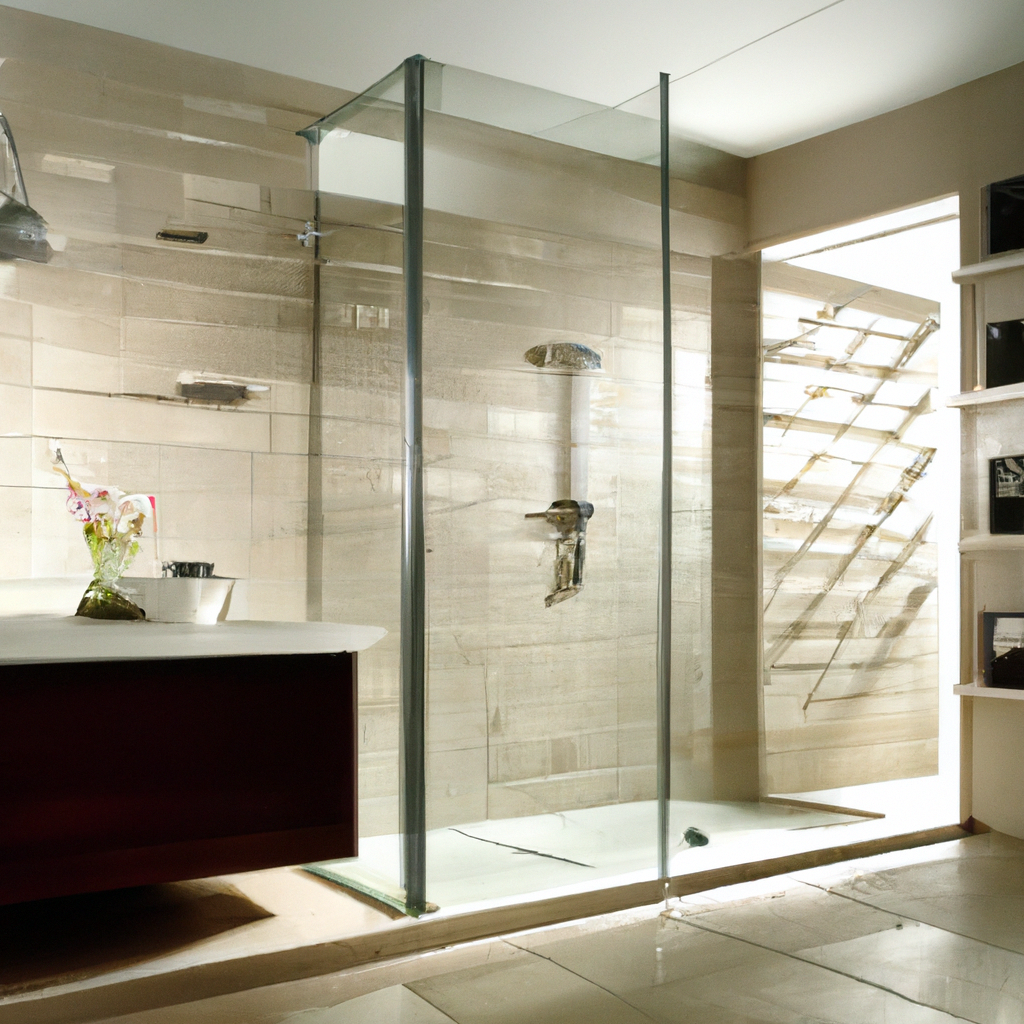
<point x="915" y="937"/>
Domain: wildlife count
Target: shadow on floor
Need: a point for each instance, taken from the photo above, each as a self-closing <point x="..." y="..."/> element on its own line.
<point x="49" y="942"/>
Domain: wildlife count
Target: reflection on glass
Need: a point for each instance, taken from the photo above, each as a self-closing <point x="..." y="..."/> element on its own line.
<point x="542" y="396"/>
<point x="22" y="230"/>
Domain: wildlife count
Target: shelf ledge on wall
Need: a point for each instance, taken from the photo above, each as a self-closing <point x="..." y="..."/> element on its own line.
<point x="1006" y="393"/>
<point x="995" y="265"/>
<point x="977" y="690"/>
<point x="991" y="542"/>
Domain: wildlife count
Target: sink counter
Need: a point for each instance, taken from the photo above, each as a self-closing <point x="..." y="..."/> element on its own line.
<point x="38" y="639"/>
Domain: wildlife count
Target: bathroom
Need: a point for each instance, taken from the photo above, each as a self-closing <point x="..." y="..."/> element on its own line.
<point x="536" y="235"/>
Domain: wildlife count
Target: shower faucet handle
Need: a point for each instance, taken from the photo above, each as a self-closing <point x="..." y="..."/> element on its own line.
<point x="306" y="237"/>
<point x="570" y="519"/>
<point x="566" y="514"/>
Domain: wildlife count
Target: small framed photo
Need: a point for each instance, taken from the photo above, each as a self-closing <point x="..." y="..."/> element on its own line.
<point x="1006" y="494"/>
<point x="1003" y="649"/>
<point x="1004" y="353"/>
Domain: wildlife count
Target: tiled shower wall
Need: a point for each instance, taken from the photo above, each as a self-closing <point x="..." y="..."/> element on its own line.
<point x="530" y="708"/>
<point x="119" y="138"/>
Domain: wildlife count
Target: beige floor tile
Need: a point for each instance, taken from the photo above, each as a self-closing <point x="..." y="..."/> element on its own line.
<point x="768" y="988"/>
<point x="396" y="1005"/>
<point x="974" y="886"/>
<point x="776" y="951"/>
<point x="675" y="972"/>
<point x="950" y="972"/>
<point x="525" y="988"/>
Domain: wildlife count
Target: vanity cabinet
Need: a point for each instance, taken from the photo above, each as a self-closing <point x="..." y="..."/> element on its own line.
<point x="219" y="750"/>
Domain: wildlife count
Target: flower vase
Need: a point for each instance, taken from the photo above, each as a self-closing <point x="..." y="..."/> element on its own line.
<point x="111" y="524"/>
<point x="103" y="599"/>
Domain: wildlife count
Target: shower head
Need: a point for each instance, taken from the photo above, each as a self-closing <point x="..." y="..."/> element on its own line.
<point x="564" y="355"/>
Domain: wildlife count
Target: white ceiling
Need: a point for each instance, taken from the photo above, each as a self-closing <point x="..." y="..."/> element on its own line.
<point x="749" y="75"/>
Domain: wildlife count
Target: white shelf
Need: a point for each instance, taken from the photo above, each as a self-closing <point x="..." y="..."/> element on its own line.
<point x="995" y="265"/>
<point x="1006" y="393"/>
<point x="980" y="542"/>
<point x="976" y="690"/>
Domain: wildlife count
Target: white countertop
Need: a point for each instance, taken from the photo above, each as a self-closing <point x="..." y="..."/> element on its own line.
<point x="30" y="639"/>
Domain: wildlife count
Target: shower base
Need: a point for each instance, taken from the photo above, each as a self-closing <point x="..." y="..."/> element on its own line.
<point x="475" y="865"/>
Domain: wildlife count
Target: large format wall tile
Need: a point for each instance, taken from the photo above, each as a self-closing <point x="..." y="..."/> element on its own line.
<point x="530" y="708"/>
<point x="118" y="139"/>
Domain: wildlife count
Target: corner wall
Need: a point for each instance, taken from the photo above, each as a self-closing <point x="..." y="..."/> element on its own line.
<point x="956" y="142"/>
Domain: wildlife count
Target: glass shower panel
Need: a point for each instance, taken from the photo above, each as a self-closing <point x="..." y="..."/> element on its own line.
<point x="691" y="719"/>
<point x="543" y="397"/>
<point x="542" y="434"/>
<point x="356" y="446"/>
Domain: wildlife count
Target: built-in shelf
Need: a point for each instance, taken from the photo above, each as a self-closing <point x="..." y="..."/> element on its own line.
<point x="976" y="690"/>
<point x="996" y="265"/>
<point x="1007" y="393"/>
<point x="991" y="542"/>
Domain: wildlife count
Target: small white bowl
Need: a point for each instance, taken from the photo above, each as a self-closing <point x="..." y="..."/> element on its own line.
<point x="180" y="598"/>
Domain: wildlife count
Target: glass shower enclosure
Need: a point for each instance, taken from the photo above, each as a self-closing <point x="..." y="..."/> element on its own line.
<point x="461" y="386"/>
<point x="512" y="474"/>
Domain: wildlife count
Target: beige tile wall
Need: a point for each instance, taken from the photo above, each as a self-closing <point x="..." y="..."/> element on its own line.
<point x="530" y="708"/>
<point x="119" y="138"/>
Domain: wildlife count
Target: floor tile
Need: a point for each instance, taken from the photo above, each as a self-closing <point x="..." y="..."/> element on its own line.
<point x="974" y="887"/>
<point x="924" y="936"/>
<point x="928" y="965"/>
<point x="674" y="972"/>
<point x="525" y="988"/>
<point x="395" y="1005"/>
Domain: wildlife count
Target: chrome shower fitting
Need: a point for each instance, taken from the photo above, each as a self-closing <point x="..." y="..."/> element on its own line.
<point x="22" y="230"/>
<point x="569" y="518"/>
<point x="306" y="237"/>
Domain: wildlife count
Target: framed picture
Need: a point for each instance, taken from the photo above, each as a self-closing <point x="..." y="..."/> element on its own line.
<point x="1005" y="215"/>
<point x="1003" y="649"/>
<point x="1004" y="353"/>
<point x="1006" y="494"/>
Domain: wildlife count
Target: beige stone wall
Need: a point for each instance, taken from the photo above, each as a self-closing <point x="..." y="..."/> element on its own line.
<point x="956" y="142"/>
<point x="119" y="138"/>
<point x="530" y="709"/>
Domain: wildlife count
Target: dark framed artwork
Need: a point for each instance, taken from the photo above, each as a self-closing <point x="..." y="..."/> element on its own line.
<point x="1004" y="353"/>
<point x="1005" y="202"/>
<point x="1003" y="649"/>
<point x="1006" y="494"/>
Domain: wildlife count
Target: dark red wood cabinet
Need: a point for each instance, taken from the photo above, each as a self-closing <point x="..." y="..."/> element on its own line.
<point x="120" y="773"/>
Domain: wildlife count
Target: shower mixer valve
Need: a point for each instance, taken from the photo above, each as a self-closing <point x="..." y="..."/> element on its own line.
<point x="569" y="518"/>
